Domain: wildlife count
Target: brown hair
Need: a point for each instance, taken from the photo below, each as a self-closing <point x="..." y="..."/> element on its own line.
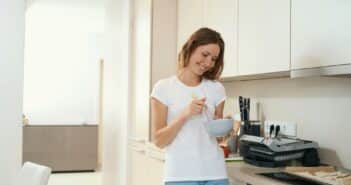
<point x="203" y="36"/>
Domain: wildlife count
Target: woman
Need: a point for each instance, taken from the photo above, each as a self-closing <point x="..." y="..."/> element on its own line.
<point x="182" y="104"/>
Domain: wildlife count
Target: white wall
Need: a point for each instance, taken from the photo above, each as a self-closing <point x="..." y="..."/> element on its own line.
<point x="115" y="96"/>
<point x="11" y="84"/>
<point x="62" y="52"/>
<point x="320" y="106"/>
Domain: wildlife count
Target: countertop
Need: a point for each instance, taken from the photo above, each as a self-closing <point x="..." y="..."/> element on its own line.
<point x="246" y="173"/>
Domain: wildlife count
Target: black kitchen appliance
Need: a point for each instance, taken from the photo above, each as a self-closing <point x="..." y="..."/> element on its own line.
<point x="274" y="152"/>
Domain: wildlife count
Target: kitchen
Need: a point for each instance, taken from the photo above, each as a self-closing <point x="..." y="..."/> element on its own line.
<point x="297" y="39"/>
<point x="265" y="41"/>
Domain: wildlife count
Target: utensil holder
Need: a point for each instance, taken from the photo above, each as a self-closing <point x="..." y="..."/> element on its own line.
<point x="251" y="127"/>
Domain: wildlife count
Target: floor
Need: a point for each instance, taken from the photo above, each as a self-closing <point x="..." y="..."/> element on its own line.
<point x="83" y="178"/>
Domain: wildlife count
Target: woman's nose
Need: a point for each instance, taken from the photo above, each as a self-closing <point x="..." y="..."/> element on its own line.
<point x="208" y="61"/>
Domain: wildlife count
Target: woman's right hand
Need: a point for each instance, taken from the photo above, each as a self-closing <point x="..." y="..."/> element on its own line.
<point x="195" y="107"/>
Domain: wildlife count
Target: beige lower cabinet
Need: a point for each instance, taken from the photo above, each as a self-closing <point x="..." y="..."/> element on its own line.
<point x="138" y="163"/>
<point x="155" y="174"/>
<point x="145" y="170"/>
<point x="61" y="147"/>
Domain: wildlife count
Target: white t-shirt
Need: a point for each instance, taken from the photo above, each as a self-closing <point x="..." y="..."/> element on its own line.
<point x="193" y="154"/>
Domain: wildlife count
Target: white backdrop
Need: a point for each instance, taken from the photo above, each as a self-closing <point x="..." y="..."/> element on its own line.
<point x="62" y="52"/>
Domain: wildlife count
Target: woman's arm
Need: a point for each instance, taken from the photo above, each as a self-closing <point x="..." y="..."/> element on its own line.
<point x="163" y="134"/>
<point x="219" y="110"/>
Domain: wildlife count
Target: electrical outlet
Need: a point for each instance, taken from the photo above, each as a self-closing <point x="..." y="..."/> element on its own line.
<point x="289" y="129"/>
<point x="286" y="128"/>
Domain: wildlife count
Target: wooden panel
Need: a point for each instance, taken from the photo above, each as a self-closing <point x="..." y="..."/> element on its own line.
<point x="164" y="39"/>
<point x="63" y="148"/>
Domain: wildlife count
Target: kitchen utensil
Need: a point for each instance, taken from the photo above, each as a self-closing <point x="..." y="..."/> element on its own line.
<point x="207" y="114"/>
<point x="244" y="106"/>
<point x="248" y="109"/>
<point x="205" y="110"/>
<point x="252" y="127"/>
<point x="277" y="129"/>
<point x="271" y="129"/>
<point x="245" y="109"/>
<point x="241" y="107"/>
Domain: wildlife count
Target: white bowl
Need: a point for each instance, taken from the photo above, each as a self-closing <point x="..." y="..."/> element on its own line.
<point x="219" y="127"/>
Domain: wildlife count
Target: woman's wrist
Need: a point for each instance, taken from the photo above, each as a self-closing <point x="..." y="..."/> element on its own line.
<point x="185" y="115"/>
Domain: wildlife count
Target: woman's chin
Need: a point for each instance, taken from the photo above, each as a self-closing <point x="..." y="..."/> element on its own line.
<point x="200" y="72"/>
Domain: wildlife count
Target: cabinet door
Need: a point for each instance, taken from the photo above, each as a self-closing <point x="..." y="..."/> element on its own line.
<point x="141" y="65"/>
<point x="221" y="15"/>
<point x="138" y="175"/>
<point x="264" y="36"/>
<point x="139" y="162"/>
<point x="320" y="33"/>
<point x="190" y="14"/>
<point x="155" y="176"/>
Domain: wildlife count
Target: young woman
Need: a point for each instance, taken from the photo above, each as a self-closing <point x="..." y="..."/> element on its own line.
<point x="181" y="105"/>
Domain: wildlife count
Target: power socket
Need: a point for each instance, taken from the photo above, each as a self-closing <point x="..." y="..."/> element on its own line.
<point x="286" y="128"/>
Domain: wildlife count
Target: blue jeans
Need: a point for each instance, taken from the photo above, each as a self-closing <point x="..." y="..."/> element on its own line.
<point x="209" y="182"/>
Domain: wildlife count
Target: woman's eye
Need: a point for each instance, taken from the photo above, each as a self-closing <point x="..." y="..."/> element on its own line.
<point x="204" y="54"/>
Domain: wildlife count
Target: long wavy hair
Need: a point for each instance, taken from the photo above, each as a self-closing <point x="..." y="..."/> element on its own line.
<point x="203" y="36"/>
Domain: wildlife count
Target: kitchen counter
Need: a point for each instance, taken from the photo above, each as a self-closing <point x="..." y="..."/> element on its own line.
<point x="241" y="173"/>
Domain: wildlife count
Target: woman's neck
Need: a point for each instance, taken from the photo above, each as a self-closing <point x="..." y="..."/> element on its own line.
<point x="189" y="78"/>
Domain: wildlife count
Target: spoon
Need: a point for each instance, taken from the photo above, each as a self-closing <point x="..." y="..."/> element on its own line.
<point x="205" y="109"/>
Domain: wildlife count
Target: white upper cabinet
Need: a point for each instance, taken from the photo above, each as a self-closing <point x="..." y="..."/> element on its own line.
<point x="321" y="33"/>
<point x="263" y="36"/>
<point x="221" y="15"/>
<point x="190" y="18"/>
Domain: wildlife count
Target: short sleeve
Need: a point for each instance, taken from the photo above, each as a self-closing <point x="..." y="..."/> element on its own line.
<point x="159" y="92"/>
<point x="220" y="93"/>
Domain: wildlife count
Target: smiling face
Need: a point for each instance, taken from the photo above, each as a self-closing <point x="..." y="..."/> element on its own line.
<point x="202" y="54"/>
<point x="203" y="59"/>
